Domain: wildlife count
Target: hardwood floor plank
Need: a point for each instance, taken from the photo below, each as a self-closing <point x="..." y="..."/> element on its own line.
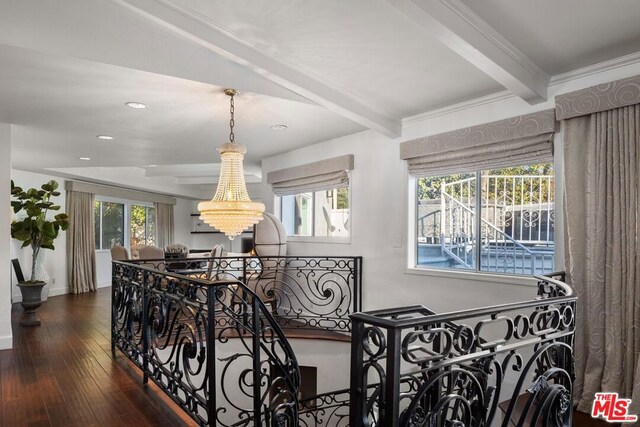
<point x="63" y="373"/>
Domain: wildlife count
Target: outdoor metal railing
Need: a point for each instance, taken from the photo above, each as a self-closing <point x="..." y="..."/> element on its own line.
<point x="514" y="232"/>
<point x="411" y="366"/>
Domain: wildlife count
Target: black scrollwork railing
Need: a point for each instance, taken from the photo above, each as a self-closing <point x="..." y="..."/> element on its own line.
<point x="302" y="292"/>
<point x="214" y="347"/>
<point x="510" y="364"/>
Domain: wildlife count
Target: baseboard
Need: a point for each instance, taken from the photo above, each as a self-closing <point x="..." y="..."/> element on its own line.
<point x="52" y="293"/>
<point x="16" y="298"/>
<point x="6" y="342"/>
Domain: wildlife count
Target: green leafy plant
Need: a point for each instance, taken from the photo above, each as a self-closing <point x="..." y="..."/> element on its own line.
<point x="34" y="229"/>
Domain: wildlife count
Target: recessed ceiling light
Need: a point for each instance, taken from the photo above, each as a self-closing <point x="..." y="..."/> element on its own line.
<point x="279" y="127"/>
<point x="107" y="137"/>
<point x="136" y="105"/>
<point x="84" y="158"/>
<point x="152" y="166"/>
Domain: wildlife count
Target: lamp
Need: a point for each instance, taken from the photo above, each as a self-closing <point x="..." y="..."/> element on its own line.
<point x="231" y="210"/>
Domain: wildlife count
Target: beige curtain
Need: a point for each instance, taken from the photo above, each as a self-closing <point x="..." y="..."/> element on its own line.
<point x="165" y="224"/>
<point x="602" y="166"/>
<point x="81" y="255"/>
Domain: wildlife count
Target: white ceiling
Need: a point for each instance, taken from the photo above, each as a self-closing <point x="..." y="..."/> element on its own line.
<point x="60" y="104"/>
<point x="324" y="69"/>
<point x="560" y="36"/>
<point x="362" y="46"/>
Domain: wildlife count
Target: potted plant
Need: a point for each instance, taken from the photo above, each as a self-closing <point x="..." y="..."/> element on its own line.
<point x="34" y="229"/>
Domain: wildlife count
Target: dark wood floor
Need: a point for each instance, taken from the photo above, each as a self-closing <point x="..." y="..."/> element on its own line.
<point x="63" y="374"/>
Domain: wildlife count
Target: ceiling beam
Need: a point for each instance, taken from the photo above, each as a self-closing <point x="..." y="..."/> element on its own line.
<point x="212" y="35"/>
<point x="463" y="31"/>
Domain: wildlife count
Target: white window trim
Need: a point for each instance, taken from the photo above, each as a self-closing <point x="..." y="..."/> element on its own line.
<point x="127" y="218"/>
<point x="277" y="211"/>
<point x="483" y="276"/>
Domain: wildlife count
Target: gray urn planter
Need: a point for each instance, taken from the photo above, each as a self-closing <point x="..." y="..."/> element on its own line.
<point x="31" y="300"/>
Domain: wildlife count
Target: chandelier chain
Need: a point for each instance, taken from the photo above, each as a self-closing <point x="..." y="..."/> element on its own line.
<point x="232" y="122"/>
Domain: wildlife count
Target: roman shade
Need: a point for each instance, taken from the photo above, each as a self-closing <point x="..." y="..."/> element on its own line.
<point x="317" y="176"/>
<point x="516" y="141"/>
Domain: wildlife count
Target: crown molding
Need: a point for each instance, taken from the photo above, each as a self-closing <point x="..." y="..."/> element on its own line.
<point x="460" y="106"/>
<point x="583" y="73"/>
<point x="601" y="67"/>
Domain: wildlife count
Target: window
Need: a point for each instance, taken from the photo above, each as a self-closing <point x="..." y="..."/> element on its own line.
<point x="143" y="225"/>
<point x="110" y="220"/>
<point x="493" y="221"/>
<point x="316" y="214"/>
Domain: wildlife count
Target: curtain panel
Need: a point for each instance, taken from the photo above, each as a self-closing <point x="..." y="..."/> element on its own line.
<point x="516" y="141"/>
<point x="81" y="256"/>
<point x="165" y="223"/>
<point x="602" y="259"/>
<point x="316" y="176"/>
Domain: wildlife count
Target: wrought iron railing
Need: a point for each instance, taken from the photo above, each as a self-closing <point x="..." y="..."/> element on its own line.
<point x="213" y="347"/>
<point x="302" y="292"/>
<point x="510" y="364"/>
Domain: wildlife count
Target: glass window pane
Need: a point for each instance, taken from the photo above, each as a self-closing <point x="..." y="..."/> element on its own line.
<point x="297" y="214"/>
<point x="446" y="222"/>
<point x="332" y="213"/>
<point x="151" y="226"/>
<point x="518" y="220"/>
<point x="112" y="224"/>
<point x="96" y="216"/>
<point x="138" y="225"/>
<point x="287" y="214"/>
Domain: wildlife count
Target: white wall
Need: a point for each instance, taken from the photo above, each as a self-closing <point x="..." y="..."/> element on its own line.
<point x="379" y="194"/>
<point x="378" y="230"/>
<point x="55" y="261"/>
<point x="5" y="237"/>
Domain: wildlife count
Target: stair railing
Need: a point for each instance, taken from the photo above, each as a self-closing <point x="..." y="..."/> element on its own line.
<point x="212" y="346"/>
<point x="510" y="364"/>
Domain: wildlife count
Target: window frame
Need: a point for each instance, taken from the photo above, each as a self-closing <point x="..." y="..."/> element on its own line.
<point x="127" y="219"/>
<point x="411" y="216"/>
<point x="313" y="238"/>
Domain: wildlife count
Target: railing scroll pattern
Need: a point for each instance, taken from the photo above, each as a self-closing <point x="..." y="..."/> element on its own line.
<point x="419" y="368"/>
<point x="302" y="292"/>
<point x="190" y="336"/>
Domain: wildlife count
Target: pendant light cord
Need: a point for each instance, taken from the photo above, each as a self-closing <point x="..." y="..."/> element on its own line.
<point x="232" y="136"/>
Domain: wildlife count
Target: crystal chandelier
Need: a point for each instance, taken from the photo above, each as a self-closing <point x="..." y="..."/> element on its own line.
<point x="231" y="210"/>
